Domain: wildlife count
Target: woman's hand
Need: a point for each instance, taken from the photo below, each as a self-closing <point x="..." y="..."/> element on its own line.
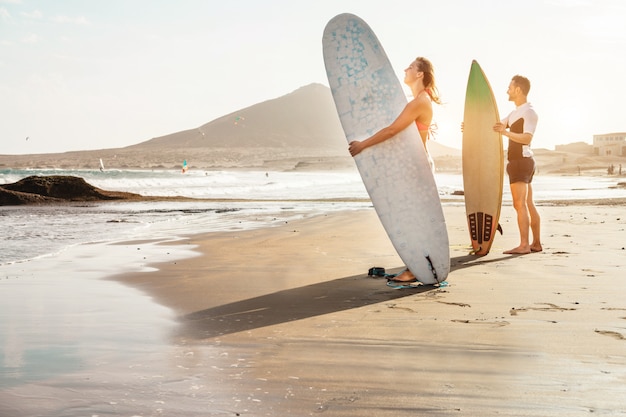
<point x="356" y="147"/>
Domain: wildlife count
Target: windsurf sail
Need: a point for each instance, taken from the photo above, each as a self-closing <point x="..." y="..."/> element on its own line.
<point x="101" y="165"/>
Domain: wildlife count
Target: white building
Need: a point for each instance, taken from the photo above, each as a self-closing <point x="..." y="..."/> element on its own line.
<point x="610" y="144"/>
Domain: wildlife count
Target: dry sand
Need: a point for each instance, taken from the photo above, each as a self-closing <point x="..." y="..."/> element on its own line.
<point x="293" y="310"/>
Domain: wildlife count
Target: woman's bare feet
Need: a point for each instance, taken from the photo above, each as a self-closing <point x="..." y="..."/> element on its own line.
<point x="406" y="276"/>
<point x="536" y="247"/>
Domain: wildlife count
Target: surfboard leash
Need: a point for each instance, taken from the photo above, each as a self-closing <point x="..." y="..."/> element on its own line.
<point x="379" y="272"/>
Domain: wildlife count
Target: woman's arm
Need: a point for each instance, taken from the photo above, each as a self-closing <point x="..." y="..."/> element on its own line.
<point x="408" y="115"/>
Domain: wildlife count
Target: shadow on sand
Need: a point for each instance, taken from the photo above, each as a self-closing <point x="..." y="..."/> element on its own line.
<point x="304" y="302"/>
<point x="292" y="304"/>
<point x="467" y="261"/>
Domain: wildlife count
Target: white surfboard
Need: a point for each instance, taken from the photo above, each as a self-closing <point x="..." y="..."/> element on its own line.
<point x="396" y="173"/>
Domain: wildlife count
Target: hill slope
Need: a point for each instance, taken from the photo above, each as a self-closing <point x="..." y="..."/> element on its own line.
<point x="305" y="118"/>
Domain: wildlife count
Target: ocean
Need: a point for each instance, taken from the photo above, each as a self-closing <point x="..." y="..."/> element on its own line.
<point x="242" y="199"/>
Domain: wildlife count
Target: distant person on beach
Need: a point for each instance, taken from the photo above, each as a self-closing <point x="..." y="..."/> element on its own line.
<point x="420" y="77"/>
<point x="521" y="124"/>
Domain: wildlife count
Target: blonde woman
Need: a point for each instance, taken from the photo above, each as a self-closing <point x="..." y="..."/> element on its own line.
<point x="420" y="77"/>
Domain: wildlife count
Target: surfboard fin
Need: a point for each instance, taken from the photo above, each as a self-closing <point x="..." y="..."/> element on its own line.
<point x="432" y="268"/>
<point x="500" y="229"/>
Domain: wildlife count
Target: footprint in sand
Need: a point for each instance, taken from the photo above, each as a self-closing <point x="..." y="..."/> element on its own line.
<point x="454" y="304"/>
<point x="550" y="307"/>
<point x="615" y="335"/>
<point x="492" y="323"/>
<point x="397" y="307"/>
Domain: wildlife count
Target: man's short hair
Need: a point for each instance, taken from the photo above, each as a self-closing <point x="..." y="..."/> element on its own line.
<point x="523" y="83"/>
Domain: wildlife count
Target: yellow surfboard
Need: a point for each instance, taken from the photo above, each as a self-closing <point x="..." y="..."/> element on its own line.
<point x="483" y="161"/>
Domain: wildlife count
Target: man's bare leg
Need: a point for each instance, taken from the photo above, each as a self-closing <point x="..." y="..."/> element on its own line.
<point x="519" y="193"/>
<point x="535" y="222"/>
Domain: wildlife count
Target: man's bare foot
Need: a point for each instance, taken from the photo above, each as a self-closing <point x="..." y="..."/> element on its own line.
<point x="520" y="250"/>
<point x="536" y="247"/>
<point x="406" y="276"/>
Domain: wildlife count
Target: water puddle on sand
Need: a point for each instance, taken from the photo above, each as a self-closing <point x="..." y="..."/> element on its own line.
<point x="75" y="344"/>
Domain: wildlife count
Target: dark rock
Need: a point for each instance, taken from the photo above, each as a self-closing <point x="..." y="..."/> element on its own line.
<point x="54" y="189"/>
<point x="16" y="198"/>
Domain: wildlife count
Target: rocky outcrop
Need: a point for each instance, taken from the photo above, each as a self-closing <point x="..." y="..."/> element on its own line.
<point x="55" y="189"/>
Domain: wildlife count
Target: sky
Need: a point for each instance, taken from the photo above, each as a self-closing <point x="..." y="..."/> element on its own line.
<point x="89" y="74"/>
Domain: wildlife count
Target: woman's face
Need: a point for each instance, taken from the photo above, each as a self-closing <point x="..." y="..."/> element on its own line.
<point x="412" y="73"/>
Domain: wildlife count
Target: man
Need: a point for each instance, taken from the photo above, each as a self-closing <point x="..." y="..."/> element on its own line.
<point x="521" y="124"/>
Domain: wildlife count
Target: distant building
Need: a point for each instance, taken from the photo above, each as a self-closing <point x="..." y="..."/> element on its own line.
<point x="610" y="144"/>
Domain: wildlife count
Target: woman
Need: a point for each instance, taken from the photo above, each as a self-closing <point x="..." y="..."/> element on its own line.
<point x="420" y="77"/>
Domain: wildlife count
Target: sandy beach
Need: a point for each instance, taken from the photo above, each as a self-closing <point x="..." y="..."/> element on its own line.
<point x="284" y="321"/>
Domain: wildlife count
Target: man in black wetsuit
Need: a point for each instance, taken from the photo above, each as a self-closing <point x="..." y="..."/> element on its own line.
<point x="519" y="126"/>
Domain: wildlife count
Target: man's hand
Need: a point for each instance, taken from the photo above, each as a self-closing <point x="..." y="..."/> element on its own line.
<point x="499" y="127"/>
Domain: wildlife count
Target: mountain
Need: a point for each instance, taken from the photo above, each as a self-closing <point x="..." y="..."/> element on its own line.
<point x="299" y="129"/>
<point x="305" y="118"/>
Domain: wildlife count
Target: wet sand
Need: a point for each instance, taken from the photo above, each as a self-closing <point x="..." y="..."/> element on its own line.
<point x="284" y="321"/>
